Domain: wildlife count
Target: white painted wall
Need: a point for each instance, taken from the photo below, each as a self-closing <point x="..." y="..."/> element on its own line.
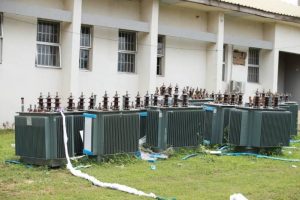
<point x="124" y="9"/>
<point x="185" y="63"/>
<point x="18" y="75"/>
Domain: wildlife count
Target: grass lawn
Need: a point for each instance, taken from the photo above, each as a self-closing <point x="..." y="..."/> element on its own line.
<point x="202" y="177"/>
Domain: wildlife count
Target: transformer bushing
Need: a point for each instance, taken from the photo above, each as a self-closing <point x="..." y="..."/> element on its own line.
<point x="49" y="102"/>
<point x="286" y="98"/>
<point x="56" y="102"/>
<point x="232" y="99"/>
<point x="200" y="93"/>
<point x="275" y="102"/>
<point x="40" y="103"/>
<point x="226" y="98"/>
<point x="176" y="90"/>
<point x="240" y="99"/>
<point x="263" y="95"/>
<point x="191" y="92"/>
<point x="35" y="109"/>
<point x="219" y="97"/>
<point x="266" y="102"/>
<point x="105" y="102"/>
<point x="170" y="90"/>
<point x="126" y="101"/>
<point x="155" y="99"/>
<point x="175" y="99"/>
<point x="212" y="96"/>
<point x="162" y="89"/>
<point x="30" y="108"/>
<point x="92" y="102"/>
<point x="70" y="106"/>
<point x="81" y="102"/>
<point x="146" y="100"/>
<point x="138" y="100"/>
<point x="166" y="99"/>
<point x="281" y="97"/>
<point x="184" y="99"/>
<point x="204" y="93"/>
<point x="256" y="101"/>
<point x="22" y="104"/>
<point x="116" y="102"/>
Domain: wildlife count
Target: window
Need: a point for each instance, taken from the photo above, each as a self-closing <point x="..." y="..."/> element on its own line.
<point x="85" y="47"/>
<point x="224" y="63"/>
<point x="127" y="51"/>
<point x="1" y="36"/>
<point x="48" y="47"/>
<point x="253" y="65"/>
<point x="160" y="55"/>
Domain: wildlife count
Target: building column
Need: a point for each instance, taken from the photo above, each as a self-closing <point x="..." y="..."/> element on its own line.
<point x="148" y="47"/>
<point x="215" y="24"/>
<point x="70" y="48"/>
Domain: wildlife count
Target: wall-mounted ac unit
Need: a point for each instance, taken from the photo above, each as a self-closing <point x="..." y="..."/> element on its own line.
<point x="237" y="87"/>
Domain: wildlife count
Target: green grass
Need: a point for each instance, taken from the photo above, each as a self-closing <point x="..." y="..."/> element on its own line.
<point x="201" y="177"/>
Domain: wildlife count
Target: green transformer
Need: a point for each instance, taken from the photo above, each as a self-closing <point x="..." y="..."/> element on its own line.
<point x="39" y="137"/>
<point x="260" y="128"/>
<point x="174" y="126"/>
<point x="293" y="108"/>
<point x="111" y="132"/>
<point x="216" y="123"/>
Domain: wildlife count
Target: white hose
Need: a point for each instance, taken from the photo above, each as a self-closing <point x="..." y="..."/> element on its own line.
<point x="96" y="182"/>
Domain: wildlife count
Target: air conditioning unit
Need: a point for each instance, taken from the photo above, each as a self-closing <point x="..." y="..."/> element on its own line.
<point x="293" y="108"/>
<point x="176" y="127"/>
<point x="39" y="137"/>
<point x="261" y="128"/>
<point x="111" y="132"/>
<point x="216" y="123"/>
<point x="236" y="87"/>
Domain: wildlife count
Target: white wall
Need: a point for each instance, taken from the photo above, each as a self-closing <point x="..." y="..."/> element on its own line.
<point x="124" y="9"/>
<point x="18" y="75"/>
<point x="185" y="63"/>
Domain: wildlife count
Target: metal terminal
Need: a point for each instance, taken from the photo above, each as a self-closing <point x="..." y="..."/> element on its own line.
<point x="162" y="89"/>
<point x="175" y="99"/>
<point x="40" y="103"/>
<point x="166" y="100"/>
<point x="275" y="102"/>
<point x="49" y="102"/>
<point x="22" y="104"/>
<point x="105" y="102"/>
<point x="184" y="98"/>
<point x="170" y="90"/>
<point x="126" y="101"/>
<point x="116" y="102"/>
<point x="56" y="102"/>
<point x="146" y="100"/>
<point x="92" y="101"/>
<point x="138" y="100"/>
<point x="81" y="102"/>
<point x="70" y="103"/>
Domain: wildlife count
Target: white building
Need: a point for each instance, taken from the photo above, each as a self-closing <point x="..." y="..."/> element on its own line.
<point x="136" y="45"/>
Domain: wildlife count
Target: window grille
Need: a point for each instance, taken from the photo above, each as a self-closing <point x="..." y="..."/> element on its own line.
<point x="48" y="47"/>
<point x="127" y="51"/>
<point x="85" y="47"/>
<point x="253" y="65"/>
<point x="160" y="55"/>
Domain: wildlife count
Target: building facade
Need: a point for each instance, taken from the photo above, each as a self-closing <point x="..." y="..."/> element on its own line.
<point x="93" y="46"/>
